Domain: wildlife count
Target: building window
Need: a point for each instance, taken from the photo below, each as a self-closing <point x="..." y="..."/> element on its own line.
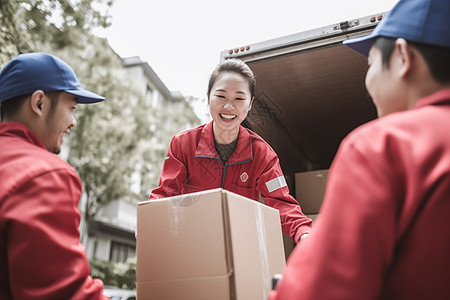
<point x="95" y="248"/>
<point x="121" y="252"/>
<point x="149" y="95"/>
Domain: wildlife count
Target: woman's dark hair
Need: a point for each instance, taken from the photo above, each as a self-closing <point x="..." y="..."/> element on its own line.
<point x="437" y="58"/>
<point x="236" y="66"/>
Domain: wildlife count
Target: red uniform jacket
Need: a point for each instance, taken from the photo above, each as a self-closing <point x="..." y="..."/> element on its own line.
<point x="41" y="256"/>
<point x="193" y="165"/>
<point x="383" y="231"/>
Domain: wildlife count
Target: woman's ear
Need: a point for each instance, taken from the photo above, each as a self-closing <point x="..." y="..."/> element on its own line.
<point x="251" y="103"/>
<point x="37" y="102"/>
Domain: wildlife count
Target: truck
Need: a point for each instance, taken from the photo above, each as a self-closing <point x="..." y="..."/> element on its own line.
<point x="310" y="93"/>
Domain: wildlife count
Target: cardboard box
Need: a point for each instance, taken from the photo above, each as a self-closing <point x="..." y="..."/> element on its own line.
<point x="310" y="190"/>
<point x="208" y="245"/>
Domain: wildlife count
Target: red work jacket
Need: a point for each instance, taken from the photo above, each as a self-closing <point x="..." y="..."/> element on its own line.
<point x="383" y="231"/>
<point x="41" y="256"/>
<point x="193" y="164"/>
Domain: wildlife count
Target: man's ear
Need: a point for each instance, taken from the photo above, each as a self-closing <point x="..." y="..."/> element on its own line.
<point x="37" y="102"/>
<point x="407" y="56"/>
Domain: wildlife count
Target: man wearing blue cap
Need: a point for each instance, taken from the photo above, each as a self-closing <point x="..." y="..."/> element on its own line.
<point x="41" y="256"/>
<point x="382" y="232"/>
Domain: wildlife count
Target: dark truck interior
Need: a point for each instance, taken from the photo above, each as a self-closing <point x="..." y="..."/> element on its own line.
<point x="308" y="103"/>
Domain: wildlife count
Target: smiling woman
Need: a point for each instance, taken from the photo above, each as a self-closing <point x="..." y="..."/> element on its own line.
<point x="230" y="97"/>
<point x="224" y="154"/>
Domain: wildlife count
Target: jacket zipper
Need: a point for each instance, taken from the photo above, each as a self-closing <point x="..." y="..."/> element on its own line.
<point x="224" y="170"/>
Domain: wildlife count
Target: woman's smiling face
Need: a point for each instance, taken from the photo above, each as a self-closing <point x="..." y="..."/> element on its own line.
<point x="230" y="101"/>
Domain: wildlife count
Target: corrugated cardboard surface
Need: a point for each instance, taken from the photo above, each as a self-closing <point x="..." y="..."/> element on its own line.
<point x="207" y="245"/>
<point x="257" y="244"/>
<point x="288" y="244"/>
<point x="310" y="190"/>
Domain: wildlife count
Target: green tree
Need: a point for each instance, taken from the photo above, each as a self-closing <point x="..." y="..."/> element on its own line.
<point x="104" y="143"/>
<point x="27" y="25"/>
<point x="63" y="28"/>
<point x="120" y="275"/>
<point x="114" y="139"/>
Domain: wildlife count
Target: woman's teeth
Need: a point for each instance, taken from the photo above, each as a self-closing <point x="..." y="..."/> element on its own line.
<point x="227" y="117"/>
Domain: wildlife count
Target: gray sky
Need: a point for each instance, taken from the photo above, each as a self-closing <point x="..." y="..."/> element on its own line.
<point x="182" y="40"/>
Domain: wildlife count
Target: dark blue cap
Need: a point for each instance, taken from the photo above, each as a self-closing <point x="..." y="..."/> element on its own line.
<point x="30" y="72"/>
<point x="421" y="21"/>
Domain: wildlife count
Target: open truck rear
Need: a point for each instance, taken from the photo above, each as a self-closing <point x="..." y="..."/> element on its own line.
<point x="310" y="94"/>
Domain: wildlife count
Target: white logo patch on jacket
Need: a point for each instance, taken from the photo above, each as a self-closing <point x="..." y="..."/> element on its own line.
<point x="276" y="183"/>
<point x="244" y="177"/>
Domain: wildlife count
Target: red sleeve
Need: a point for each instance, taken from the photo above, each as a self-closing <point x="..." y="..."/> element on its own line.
<point x="46" y="259"/>
<point x="352" y="240"/>
<point x="275" y="193"/>
<point x="173" y="174"/>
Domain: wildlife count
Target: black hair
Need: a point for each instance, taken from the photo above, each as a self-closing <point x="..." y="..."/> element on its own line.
<point x="437" y="58"/>
<point x="236" y="66"/>
<point x="386" y="47"/>
<point x="13" y="105"/>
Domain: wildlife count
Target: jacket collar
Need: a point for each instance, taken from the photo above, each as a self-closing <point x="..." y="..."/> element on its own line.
<point x="438" y="98"/>
<point x="17" y="129"/>
<point x="206" y="148"/>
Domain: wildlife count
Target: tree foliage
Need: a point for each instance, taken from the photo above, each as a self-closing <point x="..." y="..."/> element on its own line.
<point x="27" y="25"/>
<point x="114" y="139"/>
<point x="105" y="139"/>
<point x="102" y="140"/>
<point x="119" y="275"/>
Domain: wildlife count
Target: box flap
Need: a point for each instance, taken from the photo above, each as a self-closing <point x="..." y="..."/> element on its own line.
<point x="258" y="251"/>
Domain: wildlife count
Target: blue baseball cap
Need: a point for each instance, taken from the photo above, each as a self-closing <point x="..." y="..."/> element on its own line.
<point x="421" y="21"/>
<point x="30" y="72"/>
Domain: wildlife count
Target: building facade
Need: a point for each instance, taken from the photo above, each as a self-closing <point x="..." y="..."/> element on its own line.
<point x="111" y="233"/>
